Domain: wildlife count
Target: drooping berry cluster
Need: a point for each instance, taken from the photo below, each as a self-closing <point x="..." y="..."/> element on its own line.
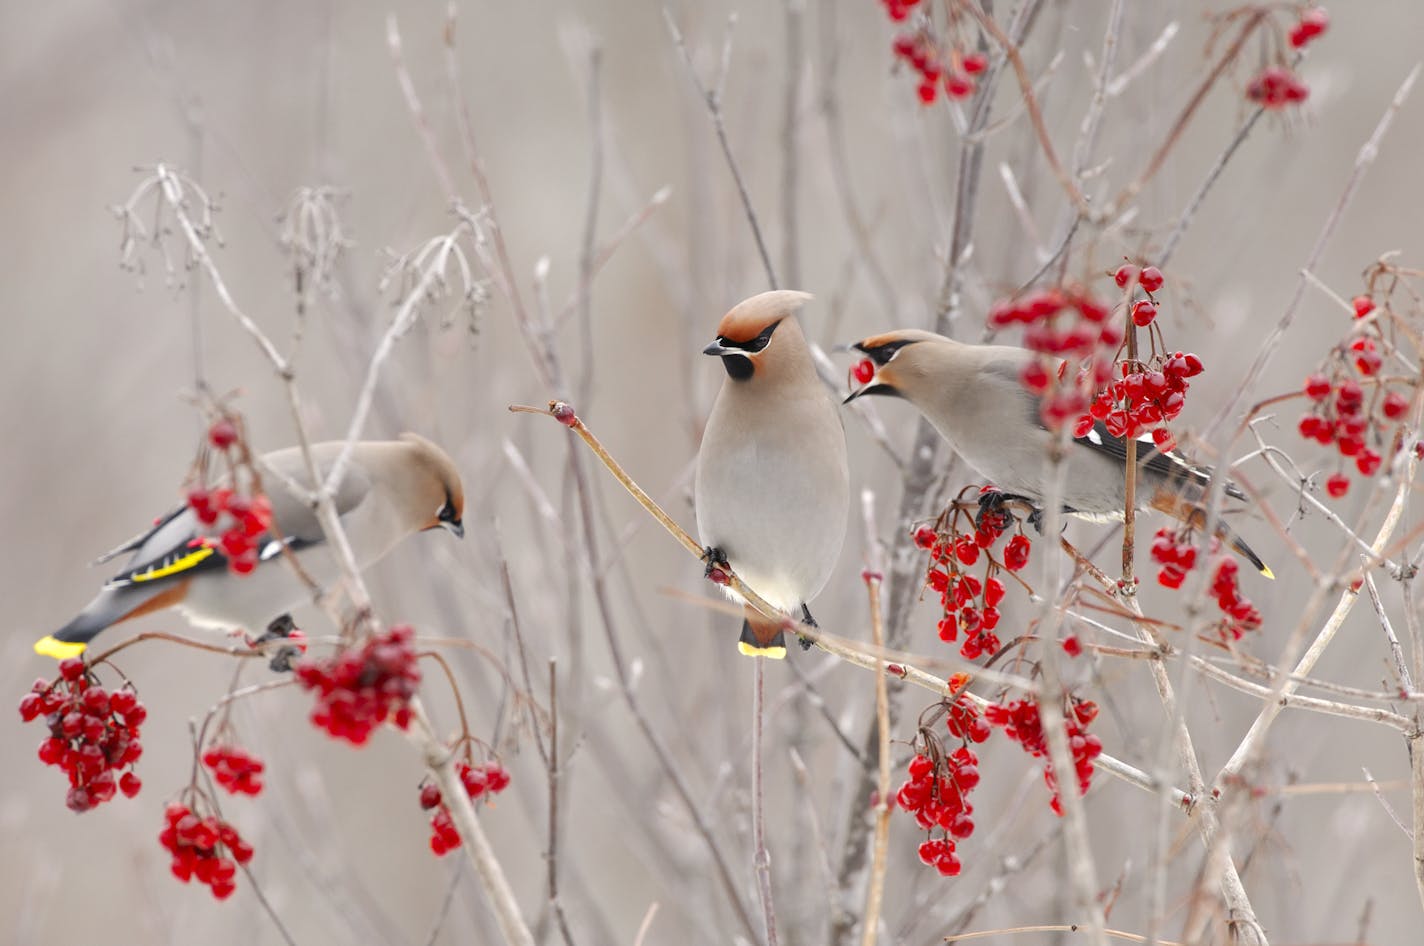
<point x="1359" y="427"/>
<point x="238" y="517"/>
<point x="1150" y="394"/>
<point x="1021" y="722"/>
<point x="952" y="70"/>
<point x="206" y="848"/>
<point x="939" y="60"/>
<point x="1062" y="323"/>
<point x="364" y="686"/>
<point x="937" y="794"/>
<point x="971" y="604"/>
<point x="1176" y="553"/>
<point x="236" y="769"/>
<point x="243" y="520"/>
<point x="1240" y="615"/>
<point x="93" y="734"/>
<point x="1276" y="85"/>
<point x="479" y="780"/>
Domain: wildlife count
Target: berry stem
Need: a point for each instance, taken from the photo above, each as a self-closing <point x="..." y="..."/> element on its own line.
<point x="459" y="703"/>
<point x="1129" y="514"/>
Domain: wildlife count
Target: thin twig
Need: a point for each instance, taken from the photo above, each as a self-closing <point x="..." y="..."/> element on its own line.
<point x="761" y="857"/>
<point x="874" y="575"/>
<point x="713" y="98"/>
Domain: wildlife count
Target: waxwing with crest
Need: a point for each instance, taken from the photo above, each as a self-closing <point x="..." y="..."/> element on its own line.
<point x="773" y="488"/>
<point x="972" y="395"/>
<point x="390" y="490"/>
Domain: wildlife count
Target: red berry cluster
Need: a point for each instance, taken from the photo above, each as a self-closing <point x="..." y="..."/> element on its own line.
<point x="1176" y="553"/>
<point x="970" y="603"/>
<point x="1313" y="23"/>
<point x="1275" y="87"/>
<point x="362" y="687"/>
<point x="1340" y="414"/>
<point x="93" y="734"/>
<point x="236" y="769"/>
<point x="1240" y="614"/>
<point x="479" y="780"/>
<point x="1061" y="323"/>
<point x="1150" y="394"/>
<point x="1022" y="723"/>
<point x="207" y="848"/>
<point x="937" y="794"/>
<point x="244" y="519"/>
<point x="953" y="70"/>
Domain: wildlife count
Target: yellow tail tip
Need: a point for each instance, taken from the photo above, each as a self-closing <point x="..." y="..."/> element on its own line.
<point x="51" y="646"/>
<point x="1266" y="570"/>
<point x="774" y="652"/>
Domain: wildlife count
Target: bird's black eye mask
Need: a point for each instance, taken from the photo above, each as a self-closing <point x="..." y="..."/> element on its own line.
<point x="754" y="345"/>
<point x="882" y="353"/>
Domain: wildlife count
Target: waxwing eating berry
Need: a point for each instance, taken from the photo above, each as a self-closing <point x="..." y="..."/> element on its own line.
<point x="974" y="397"/>
<point x="773" y="489"/>
<point x="390" y="490"/>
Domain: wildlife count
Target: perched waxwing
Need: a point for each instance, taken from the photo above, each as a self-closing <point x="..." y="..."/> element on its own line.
<point x="974" y="398"/>
<point x="390" y="490"/>
<point x="773" y="489"/>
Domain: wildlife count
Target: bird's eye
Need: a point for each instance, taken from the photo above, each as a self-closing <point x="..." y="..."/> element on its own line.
<point x="762" y="340"/>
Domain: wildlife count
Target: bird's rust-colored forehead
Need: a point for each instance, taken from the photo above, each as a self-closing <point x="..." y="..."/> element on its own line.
<point x="750" y="318"/>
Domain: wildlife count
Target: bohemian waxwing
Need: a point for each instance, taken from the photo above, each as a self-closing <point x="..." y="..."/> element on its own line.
<point x="773" y="489"/>
<point x="390" y="489"/>
<point x="974" y="398"/>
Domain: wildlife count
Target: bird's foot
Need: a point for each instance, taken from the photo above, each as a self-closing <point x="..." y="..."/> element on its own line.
<point x="994" y="510"/>
<point x="280" y="629"/>
<point x="718" y="570"/>
<point x="806" y="618"/>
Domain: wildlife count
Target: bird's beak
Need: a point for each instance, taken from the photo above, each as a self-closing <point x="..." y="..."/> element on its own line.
<point x="873" y="387"/>
<point x="454" y="527"/>
<point x="715" y="349"/>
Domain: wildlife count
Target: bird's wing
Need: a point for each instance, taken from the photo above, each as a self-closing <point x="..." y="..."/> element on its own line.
<point x="179" y="546"/>
<point x="1168" y="464"/>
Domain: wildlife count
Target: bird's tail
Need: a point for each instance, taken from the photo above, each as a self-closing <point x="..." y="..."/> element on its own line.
<point x="111" y="606"/>
<point x="1183" y="510"/>
<point x="762" y="636"/>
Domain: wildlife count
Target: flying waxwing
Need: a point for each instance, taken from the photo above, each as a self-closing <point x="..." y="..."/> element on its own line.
<point x="773" y="490"/>
<point x="390" y="489"/>
<point x="973" y="397"/>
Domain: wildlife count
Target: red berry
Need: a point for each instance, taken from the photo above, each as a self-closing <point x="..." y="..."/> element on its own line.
<point x="1150" y="279"/>
<point x="927" y="91"/>
<point x="130" y="784"/>
<point x="863" y="371"/>
<point x="1394" y="405"/>
<point x="222" y="434"/>
<point x="1125" y="274"/>
<point x="1072" y="647"/>
<point x="958" y="86"/>
<point x="924" y="537"/>
<point x="1317" y="387"/>
<point x="72" y="668"/>
<point x="1143" y="312"/>
<point x="920" y="767"/>
<point x="1364" y="305"/>
<point x="1337" y="485"/>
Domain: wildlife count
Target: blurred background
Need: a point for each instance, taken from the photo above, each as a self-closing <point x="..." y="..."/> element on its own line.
<point x="256" y="100"/>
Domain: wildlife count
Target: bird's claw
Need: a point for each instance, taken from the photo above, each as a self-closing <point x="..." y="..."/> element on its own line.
<point x="715" y="560"/>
